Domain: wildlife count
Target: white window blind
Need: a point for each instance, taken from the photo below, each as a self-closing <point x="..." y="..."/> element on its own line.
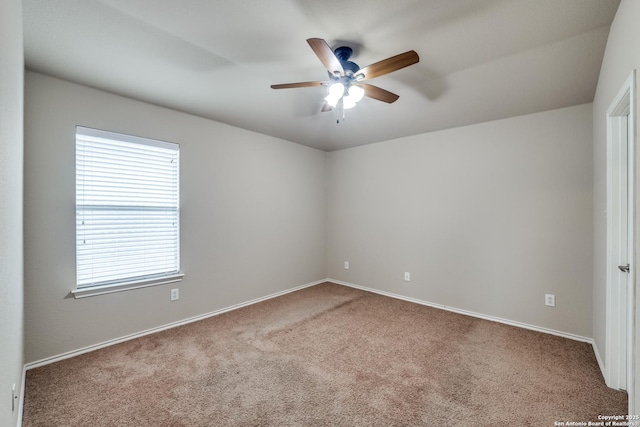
<point x="127" y="208"/>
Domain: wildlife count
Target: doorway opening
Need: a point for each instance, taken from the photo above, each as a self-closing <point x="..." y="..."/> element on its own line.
<point x="620" y="239"/>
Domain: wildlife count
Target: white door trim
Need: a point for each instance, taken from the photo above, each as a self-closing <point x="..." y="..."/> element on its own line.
<point x="620" y="290"/>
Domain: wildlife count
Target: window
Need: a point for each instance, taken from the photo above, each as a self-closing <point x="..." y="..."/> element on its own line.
<point x="127" y="212"/>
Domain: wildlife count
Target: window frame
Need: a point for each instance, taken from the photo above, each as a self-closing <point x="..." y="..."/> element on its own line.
<point x="141" y="281"/>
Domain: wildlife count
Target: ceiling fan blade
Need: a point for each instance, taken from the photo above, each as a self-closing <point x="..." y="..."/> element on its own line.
<point x="326" y="56"/>
<point x="389" y="65"/>
<point x="299" y="84"/>
<point x="378" y="93"/>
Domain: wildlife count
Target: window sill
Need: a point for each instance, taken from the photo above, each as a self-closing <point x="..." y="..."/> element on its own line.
<point x="126" y="286"/>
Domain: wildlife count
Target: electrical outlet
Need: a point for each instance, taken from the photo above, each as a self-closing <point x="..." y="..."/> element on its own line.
<point x="550" y="300"/>
<point x="346" y="265"/>
<point x="175" y="294"/>
<point x="407" y="276"/>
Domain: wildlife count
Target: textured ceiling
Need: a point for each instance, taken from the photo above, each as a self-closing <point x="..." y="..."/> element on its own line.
<point x="480" y="60"/>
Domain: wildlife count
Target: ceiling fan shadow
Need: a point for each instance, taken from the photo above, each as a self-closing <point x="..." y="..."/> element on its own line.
<point x="425" y="81"/>
<point x="308" y="106"/>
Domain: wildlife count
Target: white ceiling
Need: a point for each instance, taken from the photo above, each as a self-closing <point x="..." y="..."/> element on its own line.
<point x="480" y="60"/>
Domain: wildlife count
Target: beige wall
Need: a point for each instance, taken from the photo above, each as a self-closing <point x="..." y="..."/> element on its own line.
<point x="486" y="218"/>
<point x="622" y="55"/>
<point x="11" y="152"/>
<point x="252" y="216"/>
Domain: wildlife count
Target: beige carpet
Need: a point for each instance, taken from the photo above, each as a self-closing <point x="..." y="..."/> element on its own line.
<point x="327" y="356"/>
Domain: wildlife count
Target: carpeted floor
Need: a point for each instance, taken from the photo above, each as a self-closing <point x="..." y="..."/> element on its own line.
<point x="327" y="356"/>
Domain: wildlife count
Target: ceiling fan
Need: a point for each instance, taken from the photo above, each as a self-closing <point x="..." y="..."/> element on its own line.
<point x="346" y="78"/>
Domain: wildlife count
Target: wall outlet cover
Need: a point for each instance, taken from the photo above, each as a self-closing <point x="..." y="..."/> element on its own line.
<point x="550" y="300"/>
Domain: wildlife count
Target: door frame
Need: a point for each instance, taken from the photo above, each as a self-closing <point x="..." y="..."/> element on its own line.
<point x="620" y="303"/>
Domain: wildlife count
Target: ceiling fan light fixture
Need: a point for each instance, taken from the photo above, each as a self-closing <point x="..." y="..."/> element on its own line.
<point x="336" y="90"/>
<point x="348" y="102"/>
<point x="356" y="93"/>
<point x="332" y="100"/>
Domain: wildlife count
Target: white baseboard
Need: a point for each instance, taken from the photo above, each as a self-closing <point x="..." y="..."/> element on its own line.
<point x="468" y="313"/>
<point x="108" y="343"/>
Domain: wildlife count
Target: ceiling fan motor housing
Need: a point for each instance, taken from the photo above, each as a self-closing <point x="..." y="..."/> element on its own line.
<point x="343" y="53"/>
